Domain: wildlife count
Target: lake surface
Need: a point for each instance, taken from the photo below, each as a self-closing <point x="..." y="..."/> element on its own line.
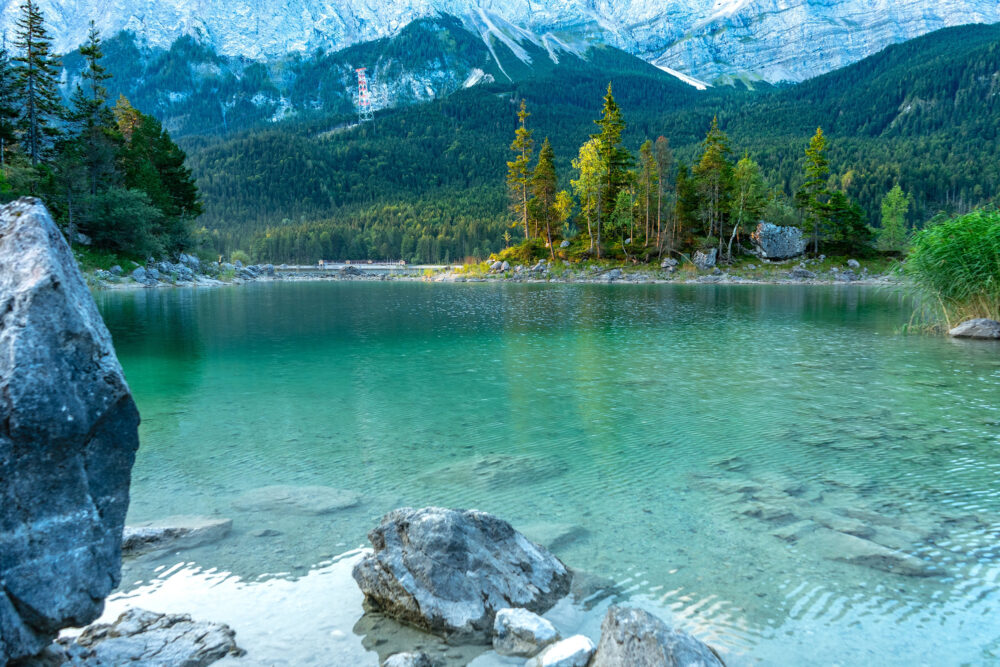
<point x="776" y="469"/>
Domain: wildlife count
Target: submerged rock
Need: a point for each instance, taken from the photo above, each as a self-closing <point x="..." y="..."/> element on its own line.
<point x="521" y="633"/>
<point x="141" y="637"/>
<point x="834" y="545"/>
<point x="172" y="533"/>
<point x="635" y="638"/>
<point x="67" y="442"/>
<point x="450" y="571"/>
<point x="774" y="242"/>
<point x="978" y="328"/>
<point x="296" y="499"/>
<point x="574" y="651"/>
<point x="498" y="470"/>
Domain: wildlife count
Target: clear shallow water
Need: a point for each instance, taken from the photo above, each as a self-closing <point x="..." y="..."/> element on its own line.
<point x="715" y="452"/>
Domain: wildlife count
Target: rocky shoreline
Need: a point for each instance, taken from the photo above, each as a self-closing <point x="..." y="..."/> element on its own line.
<point x="188" y="271"/>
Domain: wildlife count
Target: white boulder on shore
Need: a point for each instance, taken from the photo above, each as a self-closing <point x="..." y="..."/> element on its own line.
<point x="450" y="571"/>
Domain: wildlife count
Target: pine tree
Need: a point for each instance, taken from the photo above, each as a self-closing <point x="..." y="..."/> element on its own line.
<point x="543" y="190"/>
<point x="687" y="204"/>
<point x="648" y="180"/>
<point x="37" y="73"/>
<point x="615" y="160"/>
<point x="847" y="231"/>
<point x="93" y="116"/>
<point x="814" y="195"/>
<point x="664" y="165"/>
<point x="893" y="235"/>
<point x="8" y="104"/>
<point x="519" y="169"/>
<point x="588" y="186"/>
<point x="714" y="174"/>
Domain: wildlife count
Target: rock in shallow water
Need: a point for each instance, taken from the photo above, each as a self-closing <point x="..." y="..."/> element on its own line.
<point x="450" y="571"/>
<point x="521" y="633"/>
<point x="67" y="442"/>
<point x="418" y="659"/>
<point x="172" y="533"/>
<point x="978" y="328"/>
<point x="296" y="499"/>
<point x="142" y="637"/>
<point x="635" y="638"/>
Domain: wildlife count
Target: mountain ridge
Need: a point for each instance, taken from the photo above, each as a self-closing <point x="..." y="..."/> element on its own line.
<point x="773" y="40"/>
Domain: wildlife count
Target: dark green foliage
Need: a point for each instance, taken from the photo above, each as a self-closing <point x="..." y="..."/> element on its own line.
<point x="36" y="70"/>
<point x="847" y="233"/>
<point x="8" y="104"/>
<point x="124" y="220"/>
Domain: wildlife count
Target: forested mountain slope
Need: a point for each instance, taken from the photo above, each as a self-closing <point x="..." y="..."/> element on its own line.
<point x="923" y="114"/>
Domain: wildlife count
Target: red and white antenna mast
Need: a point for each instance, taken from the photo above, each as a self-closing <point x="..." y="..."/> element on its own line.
<point x="364" y="100"/>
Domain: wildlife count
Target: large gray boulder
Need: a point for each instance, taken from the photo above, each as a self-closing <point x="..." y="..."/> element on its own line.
<point x="635" y="638"/>
<point x="142" y="637"/>
<point x="774" y="242"/>
<point x="450" y="571"/>
<point x="705" y="259"/>
<point x="68" y="437"/>
<point x="978" y="328"/>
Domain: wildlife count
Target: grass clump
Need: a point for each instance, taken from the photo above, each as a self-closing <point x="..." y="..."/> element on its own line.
<point x="957" y="264"/>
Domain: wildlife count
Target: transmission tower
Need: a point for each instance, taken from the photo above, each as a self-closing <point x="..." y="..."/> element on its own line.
<point x="364" y="100"/>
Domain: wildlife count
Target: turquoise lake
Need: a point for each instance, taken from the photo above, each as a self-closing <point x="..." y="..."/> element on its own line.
<point x="776" y="469"/>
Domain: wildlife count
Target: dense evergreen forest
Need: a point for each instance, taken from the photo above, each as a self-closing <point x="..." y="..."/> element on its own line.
<point x="110" y="175"/>
<point x="907" y="135"/>
<point x="918" y="115"/>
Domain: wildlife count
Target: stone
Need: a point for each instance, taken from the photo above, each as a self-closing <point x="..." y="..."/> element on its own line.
<point x="505" y="266"/>
<point x="309" y="500"/>
<point x="632" y="637"/>
<point x="774" y="242"/>
<point x="835" y="545"/>
<point x="418" y="659"/>
<point x="449" y="571"/>
<point x="574" y="651"/>
<point x="669" y="262"/>
<point x="496" y="266"/>
<point x="847" y="276"/>
<point x="497" y="471"/>
<point x="350" y="271"/>
<point x="564" y="244"/>
<point x="705" y="259"/>
<point x="614" y="274"/>
<point x="116" y="270"/>
<point x="141" y="637"/>
<point x="978" y="328"/>
<point x="67" y="442"/>
<point x="554" y="536"/>
<point x="854" y="264"/>
<point x="238" y="264"/>
<point x="152" y="274"/>
<point x="521" y="633"/>
<point x="82" y="239"/>
<point x="751" y="267"/>
<point x="139" y="275"/>
<point x="268" y="270"/>
<point x="800" y="274"/>
<point x="173" y="533"/>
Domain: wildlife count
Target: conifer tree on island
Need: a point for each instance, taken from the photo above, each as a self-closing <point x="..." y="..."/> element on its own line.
<point x="543" y="190"/>
<point x="814" y="195"/>
<point x="519" y="169"/>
